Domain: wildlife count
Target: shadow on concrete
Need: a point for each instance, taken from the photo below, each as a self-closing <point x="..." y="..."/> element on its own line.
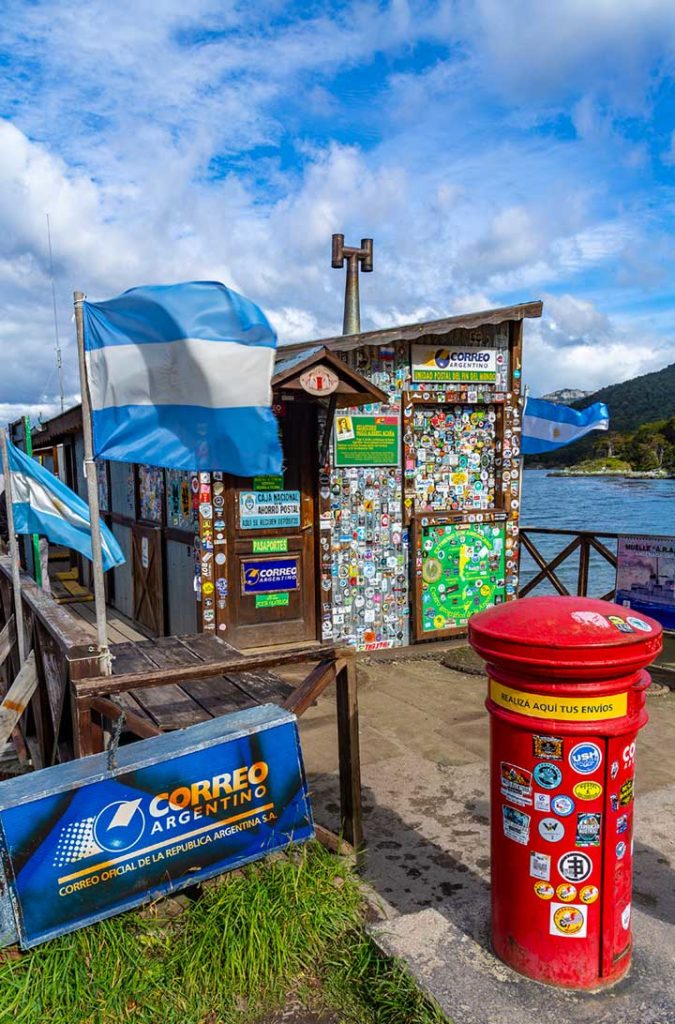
<point x="407" y="869"/>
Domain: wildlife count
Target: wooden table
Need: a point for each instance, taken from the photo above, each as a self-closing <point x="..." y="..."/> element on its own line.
<point x="171" y="682"/>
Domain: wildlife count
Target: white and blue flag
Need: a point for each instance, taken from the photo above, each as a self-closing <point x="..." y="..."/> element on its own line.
<point x="42" y="504"/>
<point x="547" y="426"/>
<point x="180" y="376"/>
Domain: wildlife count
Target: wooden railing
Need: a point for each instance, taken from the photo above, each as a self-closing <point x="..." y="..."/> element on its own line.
<point x="578" y="545"/>
<point x="62" y="651"/>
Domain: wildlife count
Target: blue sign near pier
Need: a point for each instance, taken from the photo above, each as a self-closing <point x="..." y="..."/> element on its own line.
<point x="82" y="843"/>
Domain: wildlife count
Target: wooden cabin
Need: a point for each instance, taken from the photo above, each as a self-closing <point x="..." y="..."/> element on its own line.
<point x="394" y="520"/>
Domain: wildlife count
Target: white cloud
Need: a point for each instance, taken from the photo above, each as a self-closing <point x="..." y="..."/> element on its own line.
<point x="159" y="142"/>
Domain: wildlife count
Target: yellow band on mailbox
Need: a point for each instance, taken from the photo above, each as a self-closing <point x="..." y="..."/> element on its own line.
<point x="564" y="709"/>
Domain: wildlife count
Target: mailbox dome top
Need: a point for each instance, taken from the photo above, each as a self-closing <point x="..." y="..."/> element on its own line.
<point x="566" y="636"/>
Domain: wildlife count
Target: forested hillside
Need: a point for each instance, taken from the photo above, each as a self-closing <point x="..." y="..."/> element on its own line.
<point x="641" y="426"/>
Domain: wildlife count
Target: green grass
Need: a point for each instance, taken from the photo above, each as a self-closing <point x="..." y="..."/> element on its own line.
<point x="292" y="924"/>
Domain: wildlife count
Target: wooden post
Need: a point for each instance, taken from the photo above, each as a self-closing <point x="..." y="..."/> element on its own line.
<point x="13" y="550"/>
<point x="105" y="658"/>
<point x="351" y="823"/>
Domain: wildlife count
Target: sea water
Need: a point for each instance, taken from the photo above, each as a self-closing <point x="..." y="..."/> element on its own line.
<point x="600" y="504"/>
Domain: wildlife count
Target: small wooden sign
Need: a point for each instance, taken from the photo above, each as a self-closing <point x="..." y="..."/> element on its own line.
<point x="319" y="380"/>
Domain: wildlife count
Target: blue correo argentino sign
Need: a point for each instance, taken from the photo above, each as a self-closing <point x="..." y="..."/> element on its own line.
<point x="82" y="843"/>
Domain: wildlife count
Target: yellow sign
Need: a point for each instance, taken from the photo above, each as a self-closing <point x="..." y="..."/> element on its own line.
<point x="562" y="709"/>
<point x="587" y="790"/>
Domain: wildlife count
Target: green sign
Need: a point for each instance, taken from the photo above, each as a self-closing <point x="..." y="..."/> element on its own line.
<point x="367" y="441"/>
<point x="462" y="572"/>
<point x="271" y="482"/>
<point x="271" y="600"/>
<point x="270" y="545"/>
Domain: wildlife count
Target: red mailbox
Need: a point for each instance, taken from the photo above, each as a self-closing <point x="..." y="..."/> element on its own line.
<point x="566" y="701"/>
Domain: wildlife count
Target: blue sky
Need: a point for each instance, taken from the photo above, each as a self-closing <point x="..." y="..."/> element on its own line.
<point x="496" y="150"/>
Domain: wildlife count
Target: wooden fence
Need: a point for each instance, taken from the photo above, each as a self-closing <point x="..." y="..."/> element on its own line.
<point x="577" y="547"/>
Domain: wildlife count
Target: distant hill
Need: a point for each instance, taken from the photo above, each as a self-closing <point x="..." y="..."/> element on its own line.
<point x="566" y="396"/>
<point x="631" y="404"/>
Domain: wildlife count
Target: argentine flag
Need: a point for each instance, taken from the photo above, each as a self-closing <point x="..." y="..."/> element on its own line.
<point x="547" y="426"/>
<point x="42" y="504"/>
<point x="180" y="376"/>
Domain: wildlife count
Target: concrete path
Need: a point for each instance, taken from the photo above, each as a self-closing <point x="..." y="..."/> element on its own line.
<point x="424" y="741"/>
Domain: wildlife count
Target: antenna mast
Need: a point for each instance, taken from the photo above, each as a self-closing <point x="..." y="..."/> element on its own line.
<point x="59" y="362"/>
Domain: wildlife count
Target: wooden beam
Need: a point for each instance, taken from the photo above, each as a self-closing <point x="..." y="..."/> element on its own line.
<point x="312" y="687"/>
<point x="16" y="701"/>
<point x="141" y="727"/>
<point x="351" y="821"/>
<point x="105" y="685"/>
<point x="7" y="640"/>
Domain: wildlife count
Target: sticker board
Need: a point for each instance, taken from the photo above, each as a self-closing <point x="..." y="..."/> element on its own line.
<point x="367" y="440"/>
<point x="81" y="843"/>
<point x="462" y="572"/>
<point x="454" y="450"/>
<point x="645" y="577"/>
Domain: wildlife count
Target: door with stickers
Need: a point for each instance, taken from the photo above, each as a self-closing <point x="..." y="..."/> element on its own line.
<point x="271" y="542"/>
<point x="458" y="527"/>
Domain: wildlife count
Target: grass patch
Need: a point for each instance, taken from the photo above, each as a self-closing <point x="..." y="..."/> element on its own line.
<point x="293" y="923"/>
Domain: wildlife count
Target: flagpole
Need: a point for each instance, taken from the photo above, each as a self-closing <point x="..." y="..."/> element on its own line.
<point x="13" y="549"/>
<point x="28" y="445"/>
<point x="105" y="658"/>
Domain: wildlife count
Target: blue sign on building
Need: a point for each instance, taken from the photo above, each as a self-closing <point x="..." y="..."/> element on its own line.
<point x="82" y="843"/>
<point x="267" y="575"/>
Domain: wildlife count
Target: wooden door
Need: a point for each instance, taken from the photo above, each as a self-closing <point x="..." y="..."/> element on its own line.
<point x="146" y="546"/>
<point x="272" y="543"/>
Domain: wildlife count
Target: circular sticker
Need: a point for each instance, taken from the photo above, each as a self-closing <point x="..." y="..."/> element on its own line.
<point x="568" y="920"/>
<point x="547" y="775"/>
<point x="544" y="890"/>
<point x="562" y="805"/>
<point x="220" y="558"/>
<point x="432" y="570"/>
<point x="588" y="790"/>
<point x="551" y="830"/>
<point x="640" y="624"/>
<point x="589" y="894"/>
<point x="585" y="758"/>
<point x="620" y="850"/>
<point x="566" y="893"/>
<point x="575" y="866"/>
<point x="207" y="588"/>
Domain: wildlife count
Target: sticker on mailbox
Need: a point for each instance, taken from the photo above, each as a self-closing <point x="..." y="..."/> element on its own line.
<point x="585" y="758"/>
<point x="516" y="783"/>
<point x="568" y="919"/>
<point x="516" y="825"/>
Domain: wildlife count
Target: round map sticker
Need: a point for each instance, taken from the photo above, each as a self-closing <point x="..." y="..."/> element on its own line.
<point x="562" y="805"/>
<point x="568" y="920"/>
<point x="432" y="570"/>
<point x="547" y="775"/>
<point x="551" y="830"/>
<point x="585" y="758"/>
<point x="589" y="894"/>
<point x="544" y="890"/>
